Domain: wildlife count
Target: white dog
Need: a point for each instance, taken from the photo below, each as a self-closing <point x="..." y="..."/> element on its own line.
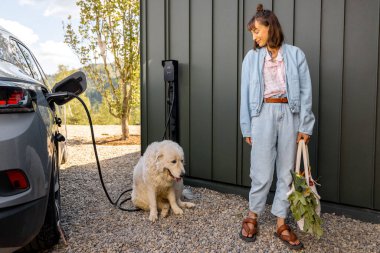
<point x="157" y="180"/>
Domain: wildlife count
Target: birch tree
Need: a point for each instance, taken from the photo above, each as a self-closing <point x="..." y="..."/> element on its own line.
<point x="108" y="34"/>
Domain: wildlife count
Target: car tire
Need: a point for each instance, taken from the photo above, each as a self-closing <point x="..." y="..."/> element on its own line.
<point x="49" y="234"/>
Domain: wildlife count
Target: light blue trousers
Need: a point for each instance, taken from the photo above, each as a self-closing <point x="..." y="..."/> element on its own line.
<point x="274" y="136"/>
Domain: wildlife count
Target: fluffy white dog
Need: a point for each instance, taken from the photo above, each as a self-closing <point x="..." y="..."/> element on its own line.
<point x="157" y="180"/>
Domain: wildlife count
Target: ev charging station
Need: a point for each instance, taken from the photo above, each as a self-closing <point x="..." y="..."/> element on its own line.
<point x="171" y="106"/>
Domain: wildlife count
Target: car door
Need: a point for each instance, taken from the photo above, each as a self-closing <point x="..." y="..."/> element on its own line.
<point x="38" y="74"/>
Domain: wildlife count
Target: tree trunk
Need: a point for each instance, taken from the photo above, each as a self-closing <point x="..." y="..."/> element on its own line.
<point x="125" y="127"/>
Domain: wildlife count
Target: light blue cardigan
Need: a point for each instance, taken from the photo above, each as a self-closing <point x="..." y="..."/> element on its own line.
<point x="298" y="87"/>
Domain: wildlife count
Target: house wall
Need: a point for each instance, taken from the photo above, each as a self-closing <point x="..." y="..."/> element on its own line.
<point x="209" y="39"/>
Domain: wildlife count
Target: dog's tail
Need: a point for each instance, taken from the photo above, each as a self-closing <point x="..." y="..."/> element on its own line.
<point x="187" y="194"/>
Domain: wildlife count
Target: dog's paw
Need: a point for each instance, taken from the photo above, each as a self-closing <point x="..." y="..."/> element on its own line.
<point x="188" y="204"/>
<point x="178" y="211"/>
<point x="153" y="217"/>
<point x="165" y="213"/>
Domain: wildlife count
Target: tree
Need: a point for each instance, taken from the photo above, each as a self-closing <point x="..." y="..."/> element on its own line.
<point x="109" y="33"/>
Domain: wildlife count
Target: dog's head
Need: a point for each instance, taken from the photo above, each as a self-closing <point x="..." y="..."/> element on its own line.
<point x="170" y="159"/>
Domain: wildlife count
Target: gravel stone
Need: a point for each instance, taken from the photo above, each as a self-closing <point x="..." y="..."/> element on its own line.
<point x="92" y="224"/>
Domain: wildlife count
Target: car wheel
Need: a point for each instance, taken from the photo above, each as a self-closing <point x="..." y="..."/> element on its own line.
<point x="49" y="234"/>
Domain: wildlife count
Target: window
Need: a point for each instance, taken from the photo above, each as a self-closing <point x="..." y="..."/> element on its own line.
<point x="44" y="78"/>
<point x="18" y="58"/>
<point x="5" y="52"/>
<point x="32" y="64"/>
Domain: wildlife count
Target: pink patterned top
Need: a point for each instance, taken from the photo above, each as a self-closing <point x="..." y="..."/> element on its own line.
<point x="274" y="75"/>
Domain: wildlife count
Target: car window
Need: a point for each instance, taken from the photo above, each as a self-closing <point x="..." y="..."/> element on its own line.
<point x="5" y="52"/>
<point x="18" y="58"/>
<point x="32" y="64"/>
<point x="44" y="78"/>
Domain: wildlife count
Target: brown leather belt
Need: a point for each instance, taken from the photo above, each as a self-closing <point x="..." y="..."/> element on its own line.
<point x="275" y="100"/>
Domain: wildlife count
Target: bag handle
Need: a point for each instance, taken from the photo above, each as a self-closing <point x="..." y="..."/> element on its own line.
<point x="306" y="162"/>
<point x="302" y="149"/>
<point x="298" y="158"/>
<point x="298" y="163"/>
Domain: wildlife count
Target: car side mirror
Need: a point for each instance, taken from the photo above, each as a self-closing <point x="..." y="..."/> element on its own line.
<point x="75" y="83"/>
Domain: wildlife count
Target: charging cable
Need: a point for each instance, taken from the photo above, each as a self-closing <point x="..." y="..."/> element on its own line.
<point x="170" y="111"/>
<point x="118" y="201"/>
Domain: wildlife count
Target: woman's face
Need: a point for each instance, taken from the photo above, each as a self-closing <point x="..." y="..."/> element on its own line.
<point x="260" y="34"/>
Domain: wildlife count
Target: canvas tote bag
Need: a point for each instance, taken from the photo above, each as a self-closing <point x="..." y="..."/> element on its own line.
<point x="303" y="151"/>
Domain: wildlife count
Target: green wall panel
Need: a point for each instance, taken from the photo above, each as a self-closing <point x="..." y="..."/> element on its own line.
<point x="155" y="52"/>
<point x="331" y="76"/>
<point x="201" y="88"/>
<point x="224" y="96"/>
<point x="359" y="103"/>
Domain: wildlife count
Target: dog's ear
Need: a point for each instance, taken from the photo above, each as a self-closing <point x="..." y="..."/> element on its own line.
<point x="159" y="155"/>
<point x="158" y="159"/>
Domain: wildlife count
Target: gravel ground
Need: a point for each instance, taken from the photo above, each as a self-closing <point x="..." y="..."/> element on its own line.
<point x="91" y="224"/>
<point x="83" y="131"/>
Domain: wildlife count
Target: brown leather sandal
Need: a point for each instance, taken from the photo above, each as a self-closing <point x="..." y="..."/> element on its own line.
<point x="286" y="239"/>
<point x="252" y="231"/>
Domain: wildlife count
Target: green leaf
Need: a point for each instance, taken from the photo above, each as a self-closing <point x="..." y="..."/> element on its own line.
<point x="303" y="205"/>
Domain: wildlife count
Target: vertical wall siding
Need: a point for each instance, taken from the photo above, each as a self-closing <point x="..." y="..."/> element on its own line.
<point x="376" y="177"/>
<point x="331" y="74"/>
<point x="240" y="55"/>
<point x="201" y="88"/>
<point x="209" y="39"/>
<point x="224" y="95"/>
<point x="155" y="53"/>
<point x="284" y="10"/>
<point x="143" y="72"/>
<point x="359" y="102"/>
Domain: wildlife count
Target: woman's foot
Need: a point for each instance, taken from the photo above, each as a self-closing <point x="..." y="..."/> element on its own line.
<point x="281" y="222"/>
<point x="249" y="227"/>
<point x="288" y="237"/>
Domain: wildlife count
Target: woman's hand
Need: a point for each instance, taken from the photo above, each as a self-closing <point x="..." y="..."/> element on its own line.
<point x="248" y="140"/>
<point x="306" y="137"/>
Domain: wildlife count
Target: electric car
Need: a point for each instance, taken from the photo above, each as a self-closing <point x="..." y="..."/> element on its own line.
<point x="32" y="147"/>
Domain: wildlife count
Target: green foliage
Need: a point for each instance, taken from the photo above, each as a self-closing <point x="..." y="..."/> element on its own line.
<point x="101" y="116"/>
<point x="99" y="111"/>
<point x="75" y="113"/>
<point x="303" y="203"/>
<point x="135" y="118"/>
<point x="109" y="34"/>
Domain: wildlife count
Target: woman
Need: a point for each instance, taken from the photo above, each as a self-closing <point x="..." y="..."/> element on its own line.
<point x="275" y="113"/>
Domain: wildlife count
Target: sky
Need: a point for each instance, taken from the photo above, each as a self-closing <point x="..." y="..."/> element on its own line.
<point x="38" y="24"/>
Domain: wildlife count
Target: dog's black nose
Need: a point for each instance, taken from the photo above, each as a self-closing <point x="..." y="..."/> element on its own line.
<point x="182" y="174"/>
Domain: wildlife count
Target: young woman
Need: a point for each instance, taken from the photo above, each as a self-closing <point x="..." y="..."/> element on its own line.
<point x="275" y="114"/>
